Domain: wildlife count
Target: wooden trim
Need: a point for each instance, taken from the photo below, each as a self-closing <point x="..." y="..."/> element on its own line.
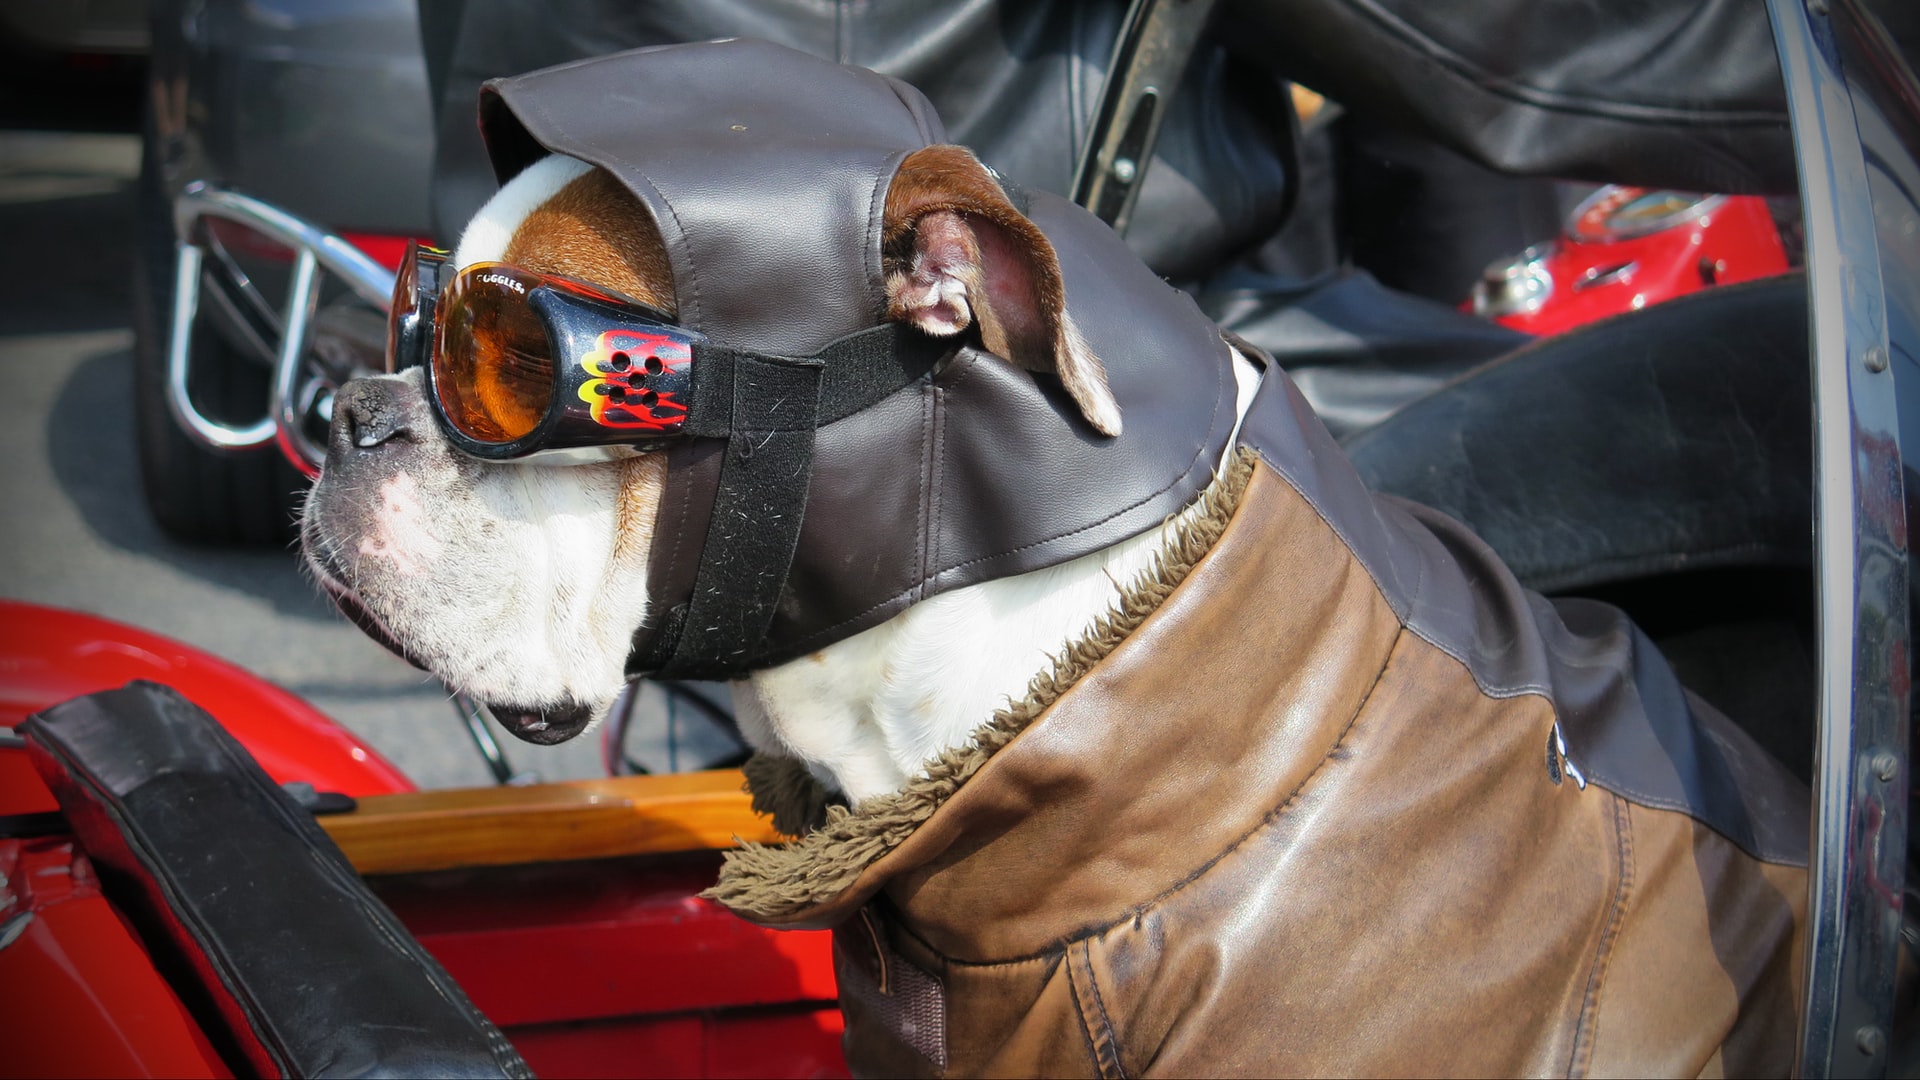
<point x="580" y="819"/>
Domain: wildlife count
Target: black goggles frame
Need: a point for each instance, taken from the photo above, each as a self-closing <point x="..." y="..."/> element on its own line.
<point x="622" y="372"/>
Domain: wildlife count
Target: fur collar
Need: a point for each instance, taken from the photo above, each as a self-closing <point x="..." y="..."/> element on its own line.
<point x="779" y="883"/>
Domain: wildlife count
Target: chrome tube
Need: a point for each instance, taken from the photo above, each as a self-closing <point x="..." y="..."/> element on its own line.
<point x="303" y="299"/>
<point x="186" y="305"/>
<point x="315" y="250"/>
<point x="368" y="279"/>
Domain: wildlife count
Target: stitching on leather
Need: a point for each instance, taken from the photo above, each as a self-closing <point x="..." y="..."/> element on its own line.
<point x="876" y="228"/>
<point x="935" y="472"/>
<point x="1200" y="453"/>
<point x="1100" y="1009"/>
<point x="1549" y="99"/>
<point x="1496" y="692"/>
<point x="894" y="86"/>
<point x="923" y="505"/>
<point x="1585" y="1032"/>
<point x="686" y="257"/>
<point x="1080" y="1010"/>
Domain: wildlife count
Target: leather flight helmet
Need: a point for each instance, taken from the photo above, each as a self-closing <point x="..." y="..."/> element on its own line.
<point x="766" y="171"/>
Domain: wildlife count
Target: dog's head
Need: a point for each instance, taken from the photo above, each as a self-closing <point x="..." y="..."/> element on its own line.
<point x="524" y="585"/>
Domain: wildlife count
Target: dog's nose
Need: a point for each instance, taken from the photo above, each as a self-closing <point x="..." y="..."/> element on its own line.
<point x="369" y="412"/>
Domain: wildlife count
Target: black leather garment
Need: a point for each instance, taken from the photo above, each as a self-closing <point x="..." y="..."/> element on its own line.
<point x="1017" y="82"/>
<point x="982" y="470"/>
<point x="1684" y="95"/>
<point x="1674" y="438"/>
<point x="1356" y="349"/>
<point x="289" y="963"/>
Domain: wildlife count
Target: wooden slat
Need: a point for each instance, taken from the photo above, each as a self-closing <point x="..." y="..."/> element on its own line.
<point x="580" y="819"/>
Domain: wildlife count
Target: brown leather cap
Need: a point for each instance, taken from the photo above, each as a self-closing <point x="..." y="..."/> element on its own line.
<point x="766" y="170"/>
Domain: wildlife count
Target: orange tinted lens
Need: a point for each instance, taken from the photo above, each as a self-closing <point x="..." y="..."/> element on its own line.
<point x="492" y="363"/>
<point x="405" y="302"/>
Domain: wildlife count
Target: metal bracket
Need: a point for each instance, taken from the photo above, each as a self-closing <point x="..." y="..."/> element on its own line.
<point x="315" y="250"/>
<point x="1155" y="45"/>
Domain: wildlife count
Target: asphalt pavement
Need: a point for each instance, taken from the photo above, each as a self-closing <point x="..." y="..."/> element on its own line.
<point x="75" y="533"/>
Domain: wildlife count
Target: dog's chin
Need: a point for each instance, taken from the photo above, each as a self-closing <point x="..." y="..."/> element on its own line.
<point x="544" y="727"/>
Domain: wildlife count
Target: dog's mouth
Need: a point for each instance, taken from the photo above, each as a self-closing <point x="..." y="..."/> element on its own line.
<point x="543" y="727"/>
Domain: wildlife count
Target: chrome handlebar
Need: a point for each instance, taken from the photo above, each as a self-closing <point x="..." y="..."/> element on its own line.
<point x="315" y="249"/>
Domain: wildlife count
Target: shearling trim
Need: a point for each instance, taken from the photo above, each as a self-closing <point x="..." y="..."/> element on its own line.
<point x="777" y="883"/>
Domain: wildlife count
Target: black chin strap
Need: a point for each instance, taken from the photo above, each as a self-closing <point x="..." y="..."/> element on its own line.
<point x="767" y="408"/>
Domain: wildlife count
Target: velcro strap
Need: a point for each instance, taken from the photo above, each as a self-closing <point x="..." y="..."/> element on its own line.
<point x="858" y="371"/>
<point x="768" y="409"/>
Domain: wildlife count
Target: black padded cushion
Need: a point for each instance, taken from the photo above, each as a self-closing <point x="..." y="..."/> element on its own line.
<point x="1674" y="438"/>
<point x="287" y="961"/>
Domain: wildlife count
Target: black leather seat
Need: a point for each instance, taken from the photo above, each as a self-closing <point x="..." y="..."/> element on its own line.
<point x="1674" y="438"/>
<point x="287" y="961"/>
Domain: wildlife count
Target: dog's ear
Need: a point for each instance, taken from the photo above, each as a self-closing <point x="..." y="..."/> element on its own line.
<point x="958" y="253"/>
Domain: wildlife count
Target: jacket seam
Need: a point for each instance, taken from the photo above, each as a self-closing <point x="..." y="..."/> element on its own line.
<point x="929" y="405"/>
<point x="1405" y="617"/>
<point x="1586" y="1030"/>
<point x="1118" y="1069"/>
<point x="1080" y="1010"/>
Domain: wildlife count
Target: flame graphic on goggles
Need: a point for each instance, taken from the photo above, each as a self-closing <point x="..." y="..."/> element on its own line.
<point x="620" y="366"/>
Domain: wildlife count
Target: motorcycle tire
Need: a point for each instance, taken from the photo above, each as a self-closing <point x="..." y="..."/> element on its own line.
<point x="201" y="496"/>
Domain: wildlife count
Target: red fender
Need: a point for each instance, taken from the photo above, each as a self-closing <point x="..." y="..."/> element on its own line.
<point x="48" y="655"/>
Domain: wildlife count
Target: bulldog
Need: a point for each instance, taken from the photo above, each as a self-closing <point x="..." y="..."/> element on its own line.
<point x="1120" y="729"/>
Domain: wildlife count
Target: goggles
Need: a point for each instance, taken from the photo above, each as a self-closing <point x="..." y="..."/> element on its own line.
<point x="521" y="364"/>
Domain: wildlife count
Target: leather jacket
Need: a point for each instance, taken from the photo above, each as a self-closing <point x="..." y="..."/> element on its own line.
<point x="1684" y="95"/>
<point x="1346" y="802"/>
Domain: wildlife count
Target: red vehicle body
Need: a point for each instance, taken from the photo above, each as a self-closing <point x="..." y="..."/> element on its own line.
<point x="1624" y="248"/>
<point x="606" y="966"/>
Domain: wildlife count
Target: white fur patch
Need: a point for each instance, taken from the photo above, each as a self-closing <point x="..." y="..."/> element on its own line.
<point x="491" y="230"/>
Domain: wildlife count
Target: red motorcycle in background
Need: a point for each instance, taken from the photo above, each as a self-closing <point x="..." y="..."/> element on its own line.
<point x="1624" y="248"/>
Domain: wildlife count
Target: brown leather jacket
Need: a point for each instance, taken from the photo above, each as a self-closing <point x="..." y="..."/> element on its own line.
<point x="1334" y="797"/>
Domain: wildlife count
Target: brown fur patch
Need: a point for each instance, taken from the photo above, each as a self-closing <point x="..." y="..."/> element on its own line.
<point x="594" y="229"/>
<point x="1021" y="327"/>
<point x="777" y="883"/>
<point x="944" y="210"/>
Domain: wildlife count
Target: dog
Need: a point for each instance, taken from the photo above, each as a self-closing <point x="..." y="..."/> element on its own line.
<point x="1286" y="779"/>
